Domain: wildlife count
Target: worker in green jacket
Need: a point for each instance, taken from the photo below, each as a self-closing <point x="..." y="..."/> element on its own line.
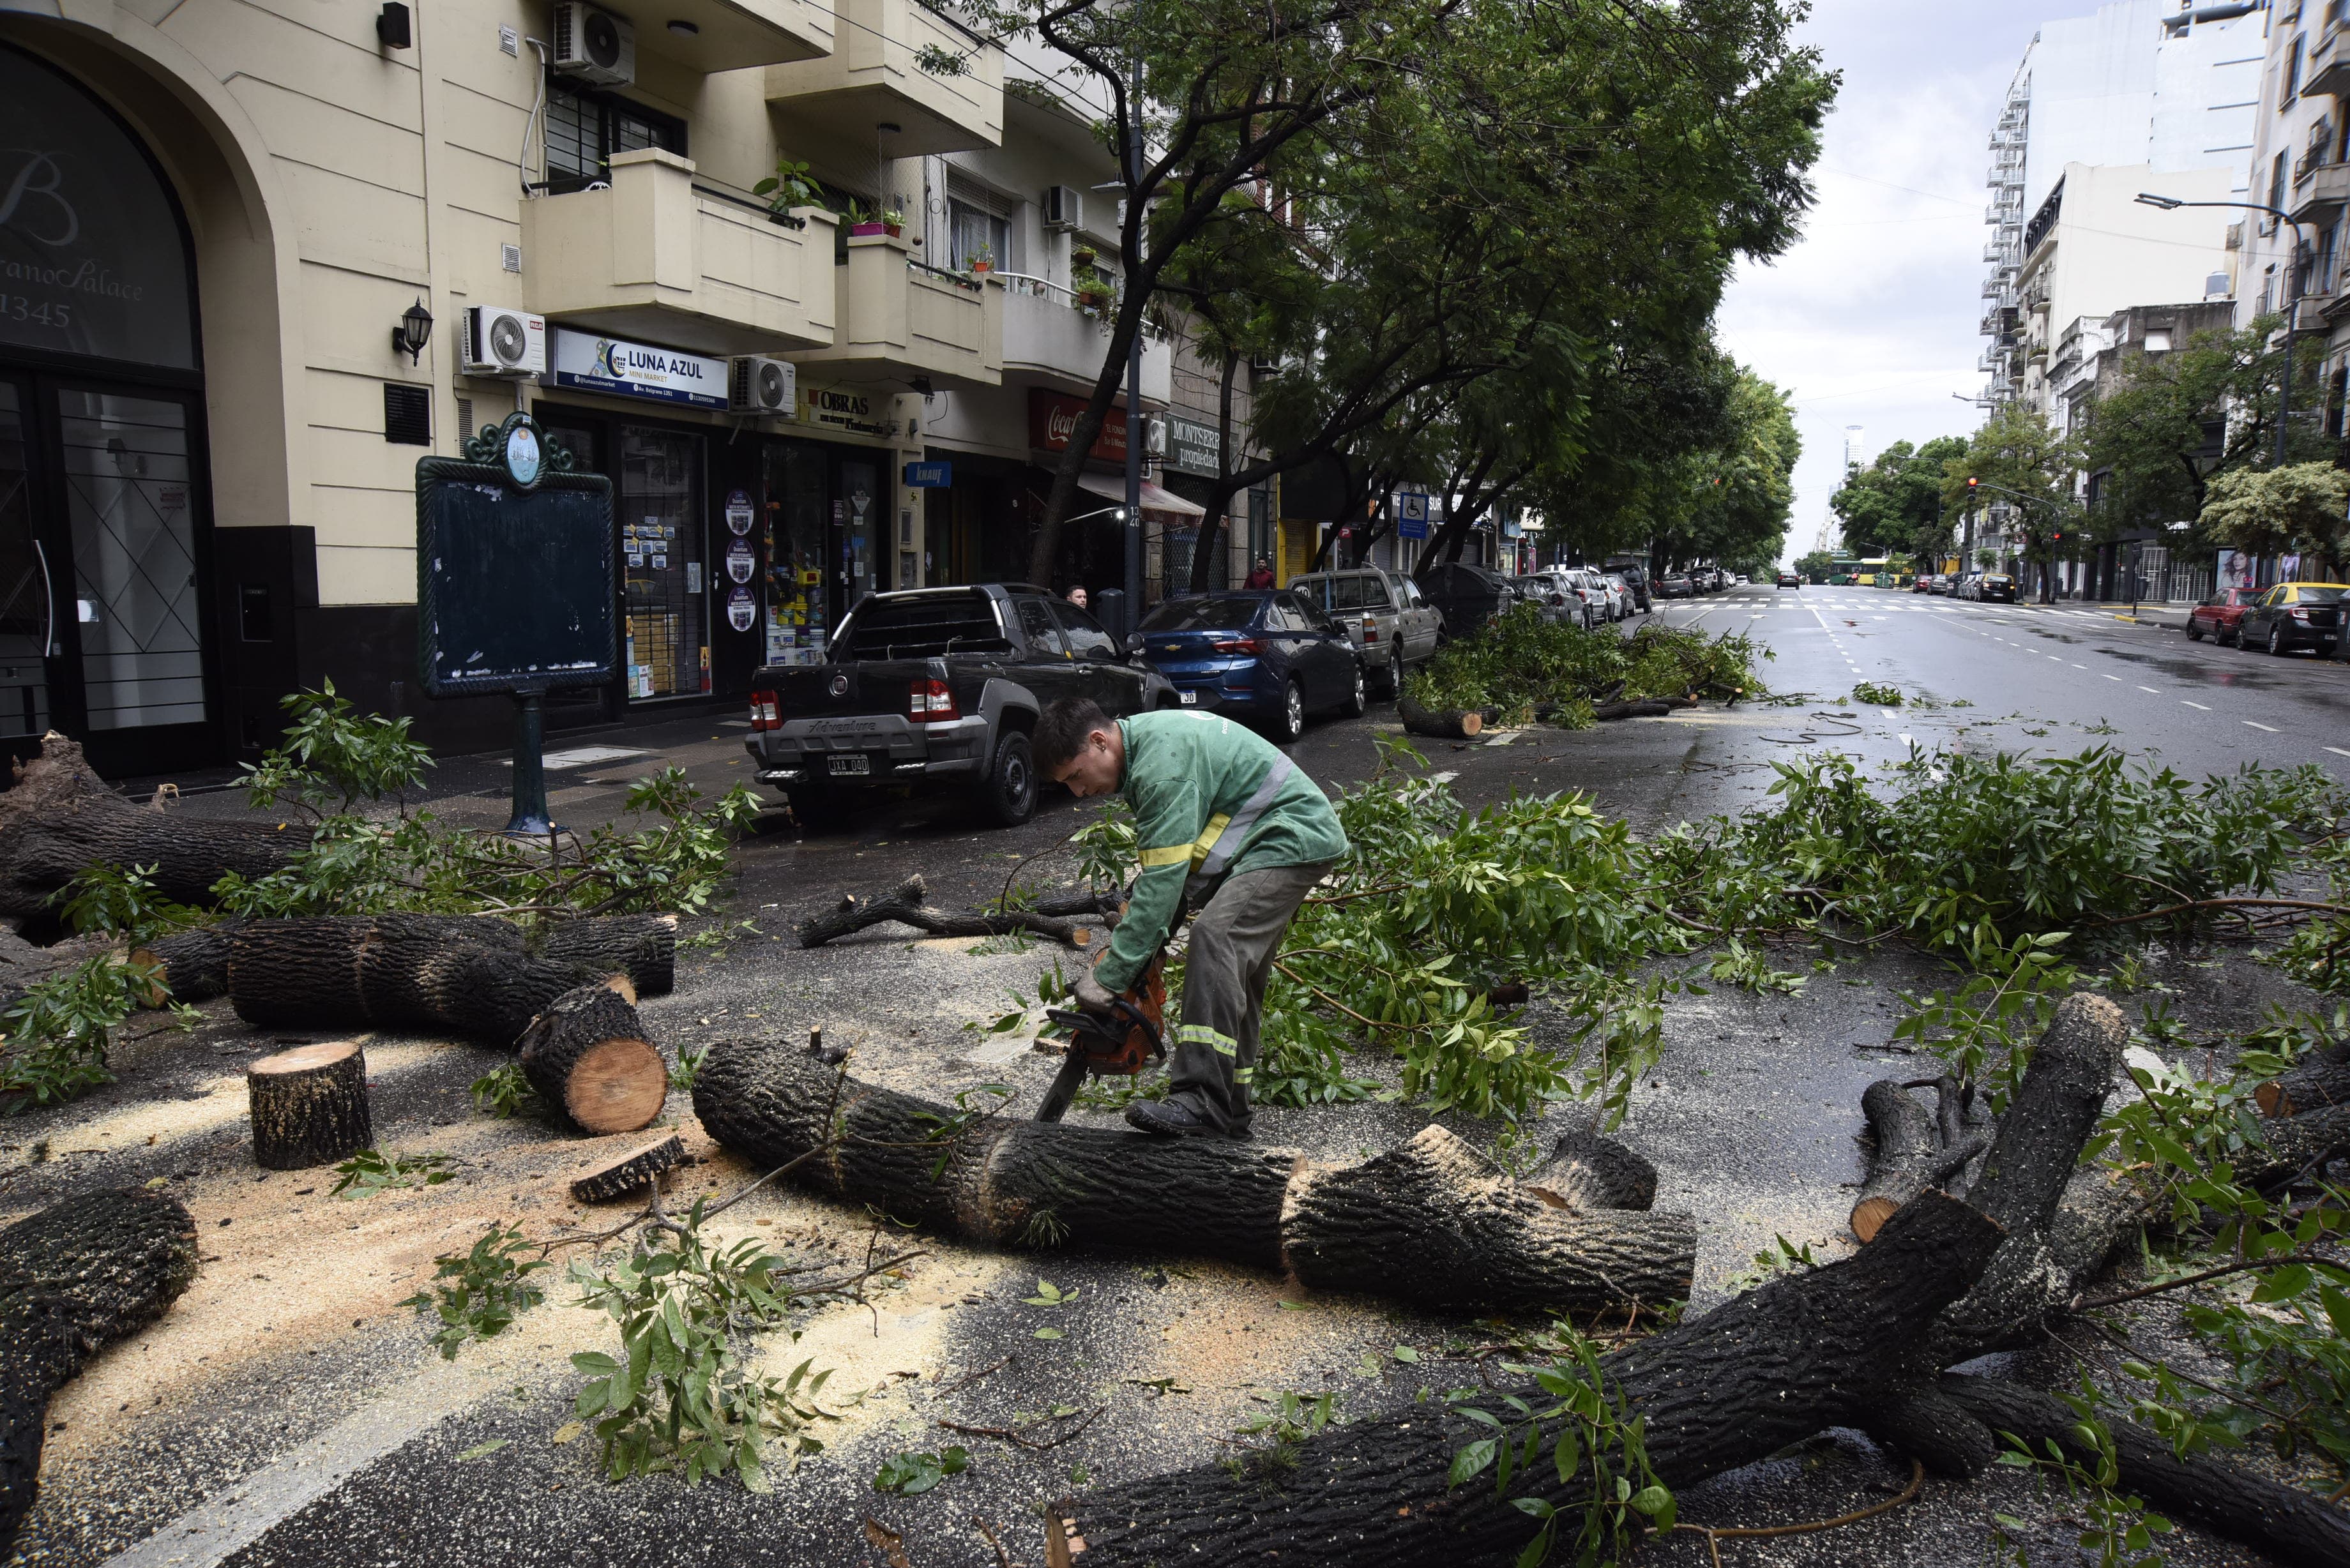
<point x="1227" y="825"/>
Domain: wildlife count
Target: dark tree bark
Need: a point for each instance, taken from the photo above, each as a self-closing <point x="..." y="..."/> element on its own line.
<point x="1430" y="1222"/>
<point x="459" y="974"/>
<point x="309" y="1106"/>
<point x="1588" y="1171"/>
<point x="191" y="965"/>
<point x="588" y="1056"/>
<point x="1909" y="1156"/>
<point x="75" y="1278"/>
<point x="2291" y="1526"/>
<point x="1806" y="1351"/>
<point x="643" y="946"/>
<point x="59" y="818"/>
<point x="1447" y="724"/>
<point x="631" y="1173"/>
<point x="904" y="904"/>
<point x="2319" y="1080"/>
<point x="2297" y="1143"/>
<point x="1638" y="708"/>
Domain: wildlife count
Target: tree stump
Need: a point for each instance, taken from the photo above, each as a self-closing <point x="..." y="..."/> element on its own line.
<point x="632" y="1172"/>
<point x="587" y="1054"/>
<point x="309" y="1106"/>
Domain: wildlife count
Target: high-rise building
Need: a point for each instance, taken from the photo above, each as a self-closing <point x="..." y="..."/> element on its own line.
<point x="2149" y="86"/>
<point x="2301" y="165"/>
<point x="1855" y="448"/>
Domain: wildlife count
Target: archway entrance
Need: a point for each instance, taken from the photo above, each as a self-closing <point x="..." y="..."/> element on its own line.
<point x="104" y="508"/>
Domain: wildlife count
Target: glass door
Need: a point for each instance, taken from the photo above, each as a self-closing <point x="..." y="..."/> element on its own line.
<point x="661" y="530"/>
<point x="27" y="604"/>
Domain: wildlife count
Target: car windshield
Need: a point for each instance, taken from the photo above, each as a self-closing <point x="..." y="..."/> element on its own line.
<point x="1203" y="614"/>
<point x="2308" y="595"/>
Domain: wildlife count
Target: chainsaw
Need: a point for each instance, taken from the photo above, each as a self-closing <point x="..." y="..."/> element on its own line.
<point x="1123" y="1043"/>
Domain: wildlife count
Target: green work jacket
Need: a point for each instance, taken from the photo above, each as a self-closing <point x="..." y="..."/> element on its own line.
<point x="1210" y="798"/>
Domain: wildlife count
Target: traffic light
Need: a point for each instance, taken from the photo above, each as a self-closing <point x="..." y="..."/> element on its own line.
<point x="1972" y="486"/>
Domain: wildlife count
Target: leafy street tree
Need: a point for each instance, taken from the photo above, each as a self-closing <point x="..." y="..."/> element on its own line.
<point x="2271" y="511"/>
<point x="1817" y="564"/>
<point x="2026" y="463"/>
<point x="1894" y="504"/>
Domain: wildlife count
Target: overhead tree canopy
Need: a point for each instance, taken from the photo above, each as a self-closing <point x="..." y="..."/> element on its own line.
<point x="1894" y="504"/>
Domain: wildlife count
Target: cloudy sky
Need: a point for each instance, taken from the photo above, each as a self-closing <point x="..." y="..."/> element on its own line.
<point x="1870" y="320"/>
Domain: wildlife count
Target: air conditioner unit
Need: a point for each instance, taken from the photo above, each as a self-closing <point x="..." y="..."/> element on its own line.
<point x="1064" y="208"/>
<point x="594" y="45"/>
<point x="758" y="385"/>
<point x="501" y="342"/>
<point x="1154" y="436"/>
<point x="1260" y="367"/>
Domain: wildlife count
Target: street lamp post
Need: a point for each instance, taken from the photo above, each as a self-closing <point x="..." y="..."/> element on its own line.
<point x="2292" y="290"/>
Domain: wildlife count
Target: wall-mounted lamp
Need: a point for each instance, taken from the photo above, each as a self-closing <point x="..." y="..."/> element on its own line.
<point x="414" y="331"/>
<point x="392" y="27"/>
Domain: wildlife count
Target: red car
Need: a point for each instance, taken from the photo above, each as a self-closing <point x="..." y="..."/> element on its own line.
<point x="2221" y="616"/>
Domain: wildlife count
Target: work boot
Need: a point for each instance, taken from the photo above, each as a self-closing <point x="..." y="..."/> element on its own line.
<point x="1170" y="1118"/>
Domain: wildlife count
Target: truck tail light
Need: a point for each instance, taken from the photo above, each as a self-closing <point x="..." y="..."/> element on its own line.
<point x="929" y="702"/>
<point x="763" y="713"/>
<point x="2300" y="613"/>
<point x="1370" y="629"/>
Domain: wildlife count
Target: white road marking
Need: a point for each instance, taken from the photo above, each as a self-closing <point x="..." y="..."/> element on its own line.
<point x="2149" y="689"/>
<point x="2196" y="706"/>
<point x="2256" y="724"/>
<point x="2080" y="666"/>
<point x="2338" y="752"/>
<point x="2112" y="677"/>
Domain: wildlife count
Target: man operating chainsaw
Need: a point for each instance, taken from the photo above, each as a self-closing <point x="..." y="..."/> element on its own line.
<point x="1228" y="825"/>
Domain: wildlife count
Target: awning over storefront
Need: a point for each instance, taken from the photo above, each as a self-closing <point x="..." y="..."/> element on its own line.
<point x="1155" y="498"/>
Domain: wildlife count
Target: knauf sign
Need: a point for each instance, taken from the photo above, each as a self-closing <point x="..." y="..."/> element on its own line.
<point x="618" y="368"/>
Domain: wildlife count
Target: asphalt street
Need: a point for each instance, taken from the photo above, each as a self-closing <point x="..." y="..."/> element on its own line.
<point x="288" y="1410"/>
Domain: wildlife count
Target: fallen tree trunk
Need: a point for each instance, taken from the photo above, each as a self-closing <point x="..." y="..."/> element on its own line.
<point x="631" y="1173"/>
<point x="2296" y="1144"/>
<point x="643" y="946"/>
<point x="904" y="903"/>
<point x="191" y="965"/>
<point x="1910" y="1152"/>
<point x="1445" y="724"/>
<point x="1806" y="1351"/>
<point x="75" y="1278"/>
<point x="2289" y="1525"/>
<point x="59" y="818"/>
<point x="1588" y="1171"/>
<point x="587" y="1055"/>
<point x="1639" y="708"/>
<point x="1431" y="1222"/>
<point x="2319" y="1080"/>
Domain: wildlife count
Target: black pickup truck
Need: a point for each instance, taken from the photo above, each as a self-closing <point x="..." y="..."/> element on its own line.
<point x="936" y="689"/>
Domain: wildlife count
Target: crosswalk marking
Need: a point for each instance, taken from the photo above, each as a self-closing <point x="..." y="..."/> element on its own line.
<point x="2256" y="724"/>
<point x="2196" y="706"/>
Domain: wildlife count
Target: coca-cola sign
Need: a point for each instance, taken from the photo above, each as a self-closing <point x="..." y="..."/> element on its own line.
<point x="1053" y="418"/>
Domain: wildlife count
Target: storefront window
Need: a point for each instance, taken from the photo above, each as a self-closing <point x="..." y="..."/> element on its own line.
<point x="798" y="507"/>
<point x="663" y="598"/>
<point x="865" y="515"/>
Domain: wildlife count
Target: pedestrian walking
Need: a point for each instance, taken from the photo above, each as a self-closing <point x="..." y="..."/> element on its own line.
<point x="1227" y="825"/>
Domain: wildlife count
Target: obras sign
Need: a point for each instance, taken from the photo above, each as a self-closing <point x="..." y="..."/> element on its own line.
<point x="850" y="409"/>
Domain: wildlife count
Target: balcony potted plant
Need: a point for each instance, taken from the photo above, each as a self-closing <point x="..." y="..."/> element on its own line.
<point x="789" y="186"/>
<point x="1081" y="260"/>
<point x="1093" y="292"/>
<point x="862" y="222"/>
<point x="983" y="262"/>
<point x="893" y="222"/>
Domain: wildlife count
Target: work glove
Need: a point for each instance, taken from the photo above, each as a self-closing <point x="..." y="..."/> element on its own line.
<point x="1092" y="995"/>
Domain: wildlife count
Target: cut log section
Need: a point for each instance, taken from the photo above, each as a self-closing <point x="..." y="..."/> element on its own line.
<point x="905" y="904"/>
<point x="631" y="1173"/>
<point x="191" y="965"/>
<point x="1447" y="724"/>
<point x="1586" y="1171"/>
<point x="309" y="1106"/>
<point x="1431" y="1222"/>
<point x="588" y="1054"/>
<point x="1909" y="1154"/>
<point x="75" y="1278"/>
<point x="459" y="974"/>
<point x="2318" y="1081"/>
<point x="643" y="946"/>
<point x="59" y="819"/>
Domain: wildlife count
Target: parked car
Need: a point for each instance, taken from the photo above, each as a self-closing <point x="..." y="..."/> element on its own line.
<point x="2295" y="615"/>
<point x="1947" y="586"/>
<point x="1988" y="587"/>
<point x="936" y="689"/>
<point x="1467" y="596"/>
<point x="1740" y="581"/>
<point x="1559" y="600"/>
<point x="1637" y="579"/>
<point x="1594" y="591"/>
<point x="1269" y="655"/>
<point x="1924" y="584"/>
<point x="1676" y="586"/>
<point x="1791" y="579"/>
<point x="2221" y="616"/>
<point x="1390" y="621"/>
<point x="1625" y="603"/>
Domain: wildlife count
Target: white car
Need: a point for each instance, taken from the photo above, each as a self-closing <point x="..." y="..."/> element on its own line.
<point x="1607" y="605"/>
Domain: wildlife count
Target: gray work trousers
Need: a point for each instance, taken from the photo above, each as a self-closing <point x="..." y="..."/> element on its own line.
<point x="1228" y="960"/>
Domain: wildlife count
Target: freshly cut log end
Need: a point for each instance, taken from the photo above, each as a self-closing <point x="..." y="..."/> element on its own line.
<point x="588" y="1054"/>
<point x="1447" y="724"/>
<point x="1909" y="1152"/>
<point x="1405" y="1225"/>
<point x="1586" y="1171"/>
<point x="309" y="1106"/>
<point x="631" y="1173"/>
<point x="59" y="818"/>
<point x="189" y="966"/>
<point x="75" y="1278"/>
<point x="1470" y="1238"/>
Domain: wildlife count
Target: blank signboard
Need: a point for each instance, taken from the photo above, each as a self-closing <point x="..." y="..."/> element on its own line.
<point x="514" y="587"/>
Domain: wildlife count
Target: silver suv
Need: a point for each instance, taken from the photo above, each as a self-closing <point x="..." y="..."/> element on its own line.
<point x="1390" y="621"/>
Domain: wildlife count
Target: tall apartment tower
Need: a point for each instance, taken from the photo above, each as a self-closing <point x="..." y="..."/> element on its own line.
<point x="2161" y="84"/>
<point x="1855" y="448"/>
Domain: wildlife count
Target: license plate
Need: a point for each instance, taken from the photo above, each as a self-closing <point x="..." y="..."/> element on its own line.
<point x="1188" y="699"/>
<point x="851" y="764"/>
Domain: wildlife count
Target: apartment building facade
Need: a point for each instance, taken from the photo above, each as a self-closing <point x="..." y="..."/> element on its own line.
<point x="2294" y="265"/>
<point x="257" y="258"/>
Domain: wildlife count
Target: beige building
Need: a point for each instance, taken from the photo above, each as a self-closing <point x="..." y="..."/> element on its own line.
<point x="218" y="217"/>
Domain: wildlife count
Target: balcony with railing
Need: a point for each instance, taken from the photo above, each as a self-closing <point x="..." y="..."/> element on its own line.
<point x="655" y="255"/>
<point x="874" y="77"/>
<point x="1050" y="339"/>
<point x="2321" y="187"/>
<point x="724" y="35"/>
<point x="900" y="318"/>
<point x="2326" y="69"/>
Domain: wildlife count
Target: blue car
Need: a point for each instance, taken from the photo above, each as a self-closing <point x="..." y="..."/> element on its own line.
<point x="1271" y="657"/>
